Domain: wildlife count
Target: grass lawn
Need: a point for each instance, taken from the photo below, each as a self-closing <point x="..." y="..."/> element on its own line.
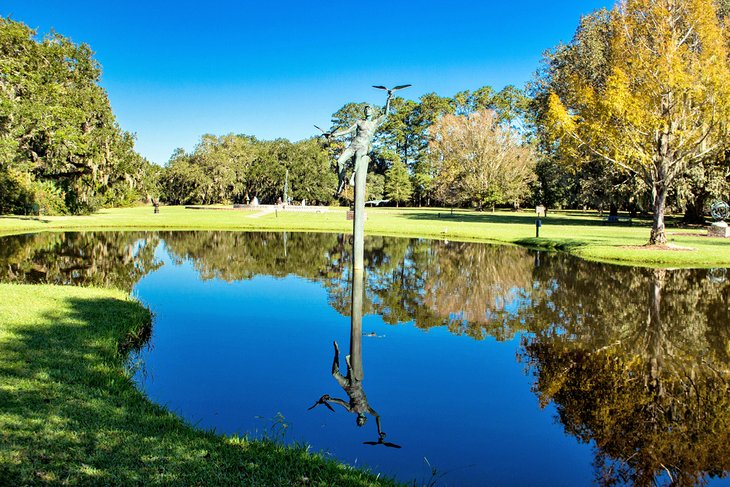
<point x="581" y="233"/>
<point x="70" y="415"/>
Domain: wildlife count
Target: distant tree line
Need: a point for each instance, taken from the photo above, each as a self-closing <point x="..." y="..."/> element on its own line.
<point x="237" y="168"/>
<point x="407" y="166"/>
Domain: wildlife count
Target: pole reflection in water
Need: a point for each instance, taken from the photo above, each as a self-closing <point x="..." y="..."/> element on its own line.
<point x="352" y="381"/>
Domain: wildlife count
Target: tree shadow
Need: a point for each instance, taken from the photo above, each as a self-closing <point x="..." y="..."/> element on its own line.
<point x="25" y="218"/>
<point x="71" y="414"/>
<point x="567" y="219"/>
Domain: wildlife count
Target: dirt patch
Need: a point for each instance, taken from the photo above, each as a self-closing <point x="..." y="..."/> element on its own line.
<point x="676" y="248"/>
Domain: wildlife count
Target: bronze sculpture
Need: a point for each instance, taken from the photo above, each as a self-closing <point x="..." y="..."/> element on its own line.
<point x="361" y="145"/>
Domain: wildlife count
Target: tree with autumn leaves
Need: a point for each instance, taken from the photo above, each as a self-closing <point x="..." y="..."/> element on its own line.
<point x="478" y="159"/>
<point x="645" y="88"/>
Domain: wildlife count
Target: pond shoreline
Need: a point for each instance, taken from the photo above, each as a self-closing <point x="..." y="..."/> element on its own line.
<point x="71" y="414"/>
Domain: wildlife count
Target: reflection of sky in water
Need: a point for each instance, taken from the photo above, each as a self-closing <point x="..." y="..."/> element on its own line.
<point x="230" y="356"/>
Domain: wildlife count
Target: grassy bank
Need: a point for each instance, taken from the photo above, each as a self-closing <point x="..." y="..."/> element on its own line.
<point x="580" y="233"/>
<point x="69" y="413"/>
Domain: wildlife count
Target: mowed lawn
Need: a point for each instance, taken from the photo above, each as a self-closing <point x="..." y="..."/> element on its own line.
<point x="584" y="234"/>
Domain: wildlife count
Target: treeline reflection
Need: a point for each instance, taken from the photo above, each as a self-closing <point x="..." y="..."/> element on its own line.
<point x="636" y="361"/>
<point x="105" y="259"/>
<point x="470" y="288"/>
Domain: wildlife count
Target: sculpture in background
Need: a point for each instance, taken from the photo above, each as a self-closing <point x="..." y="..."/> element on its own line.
<point x="720" y="211"/>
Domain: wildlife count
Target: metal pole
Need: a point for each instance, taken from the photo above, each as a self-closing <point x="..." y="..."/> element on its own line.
<point x="358" y="222"/>
<point x="286" y="188"/>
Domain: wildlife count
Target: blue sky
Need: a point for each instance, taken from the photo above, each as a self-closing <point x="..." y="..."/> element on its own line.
<point x="177" y="70"/>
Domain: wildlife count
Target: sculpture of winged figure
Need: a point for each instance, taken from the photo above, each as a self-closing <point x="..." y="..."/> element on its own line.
<point x="361" y="145"/>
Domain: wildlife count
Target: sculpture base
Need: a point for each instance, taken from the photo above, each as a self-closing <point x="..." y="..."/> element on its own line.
<point x="718" y="229"/>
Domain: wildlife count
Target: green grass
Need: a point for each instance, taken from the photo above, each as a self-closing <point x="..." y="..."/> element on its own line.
<point x="579" y="233"/>
<point x="70" y="415"/>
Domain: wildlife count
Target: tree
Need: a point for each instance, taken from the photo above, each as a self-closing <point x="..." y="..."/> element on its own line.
<point x="480" y="160"/>
<point x="406" y="130"/>
<point x="374" y="186"/>
<point x="59" y="140"/>
<point x="231" y="168"/>
<point x="468" y="102"/>
<point x="398" y="183"/>
<point x="654" y="102"/>
<point x="311" y="176"/>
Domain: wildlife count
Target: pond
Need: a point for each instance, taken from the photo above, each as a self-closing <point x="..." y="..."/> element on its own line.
<point x="472" y="364"/>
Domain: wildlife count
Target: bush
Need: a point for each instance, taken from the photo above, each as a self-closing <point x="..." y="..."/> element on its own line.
<point x="20" y="194"/>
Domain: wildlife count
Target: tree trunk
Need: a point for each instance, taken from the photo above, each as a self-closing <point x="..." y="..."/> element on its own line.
<point x="658" y="235"/>
<point x="694" y="211"/>
<point x="660" y="178"/>
<point x="613" y="209"/>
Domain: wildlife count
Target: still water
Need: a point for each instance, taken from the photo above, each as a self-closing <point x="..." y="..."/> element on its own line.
<point x="474" y="364"/>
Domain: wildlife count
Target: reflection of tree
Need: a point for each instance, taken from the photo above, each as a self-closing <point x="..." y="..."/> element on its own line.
<point x="108" y="259"/>
<point x="474" y="285"/>
<point x="236" y="255"/>
<point x="466" y="287"/>
<point x="679" y="313"/>
<point x="637" y="362"/>
<point x="407" y="280"/>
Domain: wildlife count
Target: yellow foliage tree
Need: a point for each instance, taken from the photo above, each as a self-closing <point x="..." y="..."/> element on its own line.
<point x="664" y="103"/>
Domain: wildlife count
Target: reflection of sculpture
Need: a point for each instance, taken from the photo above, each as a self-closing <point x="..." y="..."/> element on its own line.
<point x="352" y="385"/>
<point x="352" y="381"/>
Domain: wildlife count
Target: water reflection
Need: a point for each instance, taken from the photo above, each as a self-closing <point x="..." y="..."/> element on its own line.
<point x="352" y="381"/>
<point x="635" y="361"/>
<point x="107" y="259"/>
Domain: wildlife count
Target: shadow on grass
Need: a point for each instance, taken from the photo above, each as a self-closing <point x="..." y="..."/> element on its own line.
<point x="69" y="414"/>
<point x="515" y="218"/>
<point x="25" y="218"/>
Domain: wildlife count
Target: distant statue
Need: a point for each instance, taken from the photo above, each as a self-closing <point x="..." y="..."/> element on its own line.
<point x="255" y="201"/>
<point x="361" y="144"/>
